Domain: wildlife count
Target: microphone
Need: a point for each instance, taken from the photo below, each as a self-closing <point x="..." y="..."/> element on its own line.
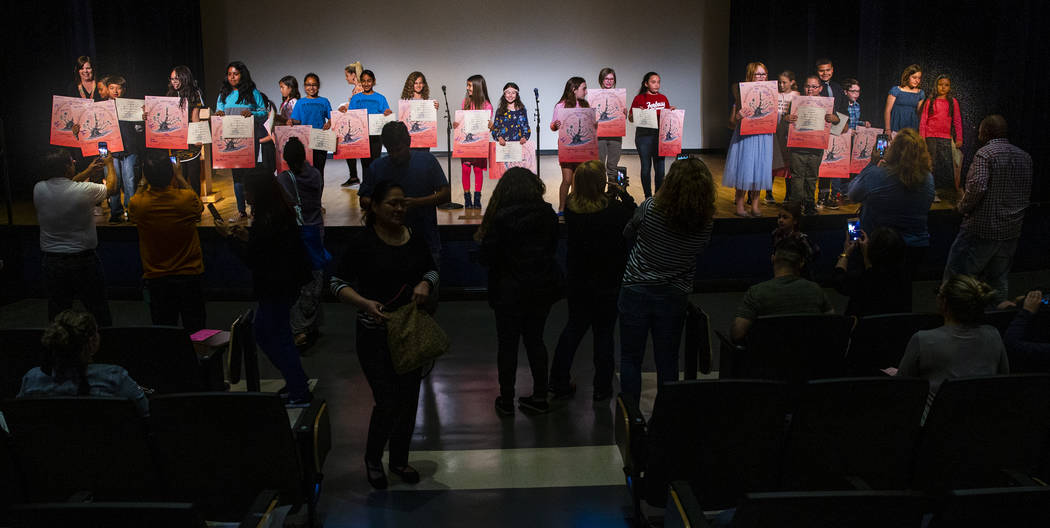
<point x="443" y="89"/>
<point x="537" y="92"/>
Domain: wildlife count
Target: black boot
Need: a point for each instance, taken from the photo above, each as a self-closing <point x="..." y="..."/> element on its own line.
<point x="477" y="199"/>
<point x="466" y="201"/>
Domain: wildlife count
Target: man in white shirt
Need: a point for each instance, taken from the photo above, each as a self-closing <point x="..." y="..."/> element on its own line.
<point x="64" y="206"/>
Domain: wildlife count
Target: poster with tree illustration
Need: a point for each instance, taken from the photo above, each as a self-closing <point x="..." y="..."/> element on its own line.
<point x="611" y="107"/>
<point x="836" y="160"/>
<point x="98" y="122"/>
<point x="230" y="153"/>
<point x="578" y="135"/>
<point x="758" y="106"/>
<point x="167" y="123"/>
<point x="423" y="133"/>
<point x="863" y="145"/>
<point x="672" y="126"/>
<point x="282" y="134"/>
<point x="65" y="114"/>
<point x="351" y="134"/>
<point x="528" y="160"/>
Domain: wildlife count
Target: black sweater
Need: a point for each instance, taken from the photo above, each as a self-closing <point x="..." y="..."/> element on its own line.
<point x="519" y="250"/>
<point x="597" y="250"/>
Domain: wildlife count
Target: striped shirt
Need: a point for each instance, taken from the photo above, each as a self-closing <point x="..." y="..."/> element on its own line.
<point x="661" y="253"/>
<point x="997" y="191"/>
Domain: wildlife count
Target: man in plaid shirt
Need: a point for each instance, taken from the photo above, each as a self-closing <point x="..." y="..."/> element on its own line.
<point x="993" y="204"/>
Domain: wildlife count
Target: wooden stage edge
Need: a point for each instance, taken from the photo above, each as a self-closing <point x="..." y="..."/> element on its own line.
<point x="341" y="203"/>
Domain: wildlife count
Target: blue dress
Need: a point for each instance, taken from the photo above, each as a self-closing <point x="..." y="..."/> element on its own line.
<point x="749" y="164"/>
<point x="904" y="113"/>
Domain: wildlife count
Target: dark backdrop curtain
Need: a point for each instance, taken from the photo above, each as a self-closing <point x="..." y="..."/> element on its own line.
<point x="996" y="53"/>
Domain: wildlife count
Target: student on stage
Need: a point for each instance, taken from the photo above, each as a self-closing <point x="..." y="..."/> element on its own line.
<point x="315" y="111"/>
<point x="289" y="96"/>
<point x="645" y="139"/>
<point x="574" y="95"/>
<point x="781" y="166"/>
<point x="375" y="103"/>
<point x="749" y="162"/>
<point x="416" y="87"/>
<point x="181" y="84"/>
<point x="609" y="148"/>
<point x="126" y="163"/>
<point x="353" y="73"/>
<point x="902" y="103"/>
<point x="840" y="187"/>
<point x="511" y="122"/>
<point x="805" y="162"/>
<point x="238" y="90"/>
<point x="940" y="124"/>
<point x="827" y="188"/>
<point x="477" y="98"/>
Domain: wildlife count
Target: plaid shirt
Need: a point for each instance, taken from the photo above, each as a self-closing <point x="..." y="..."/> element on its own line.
<point x="854" y="115"/>
<point x="997" y="191"/>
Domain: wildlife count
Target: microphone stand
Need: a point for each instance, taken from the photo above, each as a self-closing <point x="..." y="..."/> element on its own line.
<point x="537" y="92"/>
<point x="450" y="205"/>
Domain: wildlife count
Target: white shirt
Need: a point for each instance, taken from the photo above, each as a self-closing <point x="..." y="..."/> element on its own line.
<point x="64" y="209"/>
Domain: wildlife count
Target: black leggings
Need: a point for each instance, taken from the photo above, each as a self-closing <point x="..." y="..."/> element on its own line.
<point x="396" y="398"/>
<point x="526" y="324"/>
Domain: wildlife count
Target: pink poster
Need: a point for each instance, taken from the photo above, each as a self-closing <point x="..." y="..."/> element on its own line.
<point x="65" y="113"/>
<point x="423" y="133"/>
<point x="281" y="136"/>
<point x="672" y="126"/>
<point x="232" y="153"/>
<point x="351" y="134"/>
<point x="471" y="138"/>
<point x="810" y="130"/>
<point x="758" y="105"/>
<point x="166" y="123"/>
<point x="836" y="160"/>
<point x="528" y="160"/>
<point x="863" y="145"/>
<point x="98" y="122"/>
<point x="578" y="135"/>
<point x="611" y="107"/>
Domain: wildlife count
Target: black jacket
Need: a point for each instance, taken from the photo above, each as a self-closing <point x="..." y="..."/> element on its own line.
<point x="597" y="250"/>
<point x="519" y="249"/>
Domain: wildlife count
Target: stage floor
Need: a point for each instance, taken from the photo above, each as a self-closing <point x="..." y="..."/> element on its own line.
<point x="342" y="209"/>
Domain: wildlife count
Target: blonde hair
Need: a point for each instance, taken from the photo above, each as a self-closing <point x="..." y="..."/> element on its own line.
<point x="907" y="158"/>
<point x="965" y="298"/>
<point x="588" y="184"/>
<point x="355" y="68"/>
<point x="687" y="196"/>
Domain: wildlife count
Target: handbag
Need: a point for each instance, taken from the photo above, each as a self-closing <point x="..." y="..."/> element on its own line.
<point x="414" y="338"/>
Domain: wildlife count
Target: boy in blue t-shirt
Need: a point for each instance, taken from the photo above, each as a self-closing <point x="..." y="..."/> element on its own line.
<point x="315" y="111"/>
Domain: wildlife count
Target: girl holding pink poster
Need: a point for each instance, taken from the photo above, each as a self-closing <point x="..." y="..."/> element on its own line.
<point x="166" y="123"/>
<point x="645" y="138"/>
<point x="182" y="86"/>
<point x="610" y="104"/>
<point x="749" y="163"/>
<point x="672" y="126"/>
<point x="477" y="98"/>
<point x="414" y="96"/>
<point x="577" y="133"/>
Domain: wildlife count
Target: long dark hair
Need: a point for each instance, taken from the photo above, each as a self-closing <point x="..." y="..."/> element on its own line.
<point x="503" y="104"/>
<point x="244" y="90"/>
<point x="645" y="80"/>
<point x="81" y="61"/>
<point x="188" y="93"/>
<point x="949" y="97"/>
<point x="65" y="342"/>
<point x="517" y="186"/>
<point x="480" y="94"/>
<point x="293" y="85"/>
<point x="379" y="194"/>
<point x="568" y="95"/>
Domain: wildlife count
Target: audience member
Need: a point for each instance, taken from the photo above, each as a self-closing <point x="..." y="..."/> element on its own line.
<point x="596" y="256"/>
<point x="1028" y="342"/>
<point x="64" y="202"/>
<point x="303" y="185"/>
<point x="993" y="206"/>
<point x="166" y="213"/>
<point x="805" y="162"/>
<point x="962" y="347"/>
<point x="421" y="177"/>
<point x="875" y="281"/>
<point x="70" y="342"/>
<point x="670" y="230"/>
<point x="387" y="266"/>
<point x="274" y="252"/>
<point x="789" y="225"/>
<point x="518" y="236"/>
<point x="786" y="293"/>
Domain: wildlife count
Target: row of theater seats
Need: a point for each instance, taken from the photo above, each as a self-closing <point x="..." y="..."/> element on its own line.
<point x="218" y="451"/>
<point x="728" y="438"/>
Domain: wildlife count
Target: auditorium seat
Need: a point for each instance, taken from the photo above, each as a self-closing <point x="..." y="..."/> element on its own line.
<point x="21" y="352"/>
<point x="854" y="433"/>
<point x="815" y="509"/>
<point x="879" y="341"/>
<point x="243" y="352"/>
<point x="1016" y="507"/>
<point x="1000" y="319"/>
<point x="697" y="342"/>
<point x="62" y="446"/>
<point x="161" y="358"/>
<point x="984" y="432"/>
<point x="793" y="348"/>
<point x="107" y="515"/>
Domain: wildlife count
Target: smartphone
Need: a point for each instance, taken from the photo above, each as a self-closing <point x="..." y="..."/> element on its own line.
<point x="1046" y="299"/>
<point x="103" y="149"/>
<point x="215" y="214"/>
<point x="621" y="176"/>
<point x="881" y="142"/>
<point x="173" y="160"/>
<point x="853" y="228"/>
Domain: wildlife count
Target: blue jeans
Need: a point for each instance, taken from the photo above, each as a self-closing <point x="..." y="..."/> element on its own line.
<point x="238" y="193"/>
<point x="645" y="309"/>
<point x="273" y="334"/>
<point x="125" y="168"/>
<point x="647" y="153"/>
<point x="988" y="260"/>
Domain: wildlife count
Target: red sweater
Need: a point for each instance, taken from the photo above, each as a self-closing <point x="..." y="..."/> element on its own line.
<point x="648" y="100"/>
<point x="939" y="124"/>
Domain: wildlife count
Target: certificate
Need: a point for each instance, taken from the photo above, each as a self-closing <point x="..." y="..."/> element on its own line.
<point x="758" y="106"/>
<point x="509" y="153"/>
<point x="198" y="132"/>
<point x="528" y="160"/>
<point x="235" y="126"/>
<point x="672" y="126"/>
<point x="843" y="124"/>
<point x="577" y="135"/>
<point x="472" y="135"/>
<point x="422" y="131"/>
<point x="98" y="122"/>
<point x="130" y="109"/>
<point x="645" y="118"/>
<point x="810" y="130"/>
<point x="836" y="160"/>
<point x="422" y="110"/>
<point x="65" y="113"/>
<point x="281" y="136"/>
<point x="611" y="107"/>
<point x="166" y="123"/>
<point x="322" y="140"/>
<point x="810" y="118"/>
<point x="230" y="153"/>
<point x="376" y="122"/>
<point x="351" y="134"/>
